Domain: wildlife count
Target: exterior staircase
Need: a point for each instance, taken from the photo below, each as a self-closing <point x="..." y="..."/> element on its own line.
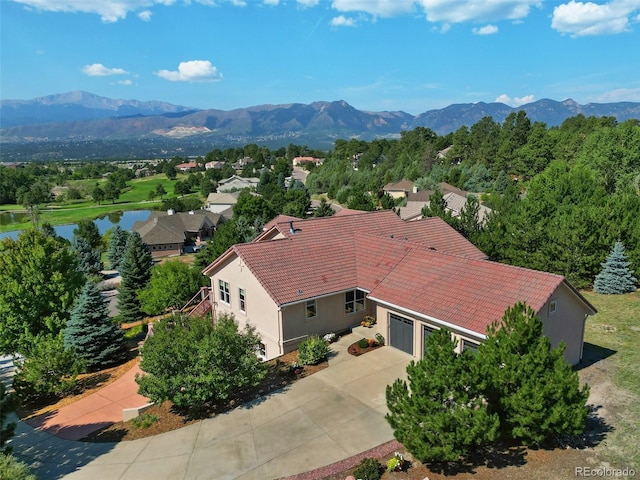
<point x="200" y="303"/>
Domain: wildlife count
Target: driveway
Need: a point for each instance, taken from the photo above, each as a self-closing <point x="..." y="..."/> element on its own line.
<point x="331" y="415"/>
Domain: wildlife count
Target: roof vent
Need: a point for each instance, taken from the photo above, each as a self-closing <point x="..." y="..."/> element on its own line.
<point x="171" y="211"/>
<point x="299" y="292"/>
<point x="191" y="212"/>
<point x="291" y="229"/>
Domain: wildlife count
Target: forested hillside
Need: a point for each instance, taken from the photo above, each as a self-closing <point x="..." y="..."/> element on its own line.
<point x="561" y="196"/>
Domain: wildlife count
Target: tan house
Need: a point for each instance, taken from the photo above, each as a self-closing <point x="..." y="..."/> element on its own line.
<point x="235" y="182"/>
<point x="222" y="203"/>
<point x="321" y="275"/>
<point x="399" y="189"/>
<point x="166" y="233"/>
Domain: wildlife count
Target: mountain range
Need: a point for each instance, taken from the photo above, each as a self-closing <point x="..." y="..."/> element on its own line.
<point x="84" y="117"/>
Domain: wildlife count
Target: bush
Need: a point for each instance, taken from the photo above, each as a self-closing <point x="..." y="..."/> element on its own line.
<point x="379" y="339"/>
<point x="363" y="343"/>
<point x="312" y="350"/>
<point x="48" y="369"/>
<point x="369" y="469"/>
<point x="13" y="469"/>
<point x="144" y="421"/>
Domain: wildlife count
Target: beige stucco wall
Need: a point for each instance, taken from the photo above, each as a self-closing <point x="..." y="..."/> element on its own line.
<point x="566" y="325"/>
<point x="261" y="310"/>
<point x="330" y="318"/>
<point x="165" y="249"/>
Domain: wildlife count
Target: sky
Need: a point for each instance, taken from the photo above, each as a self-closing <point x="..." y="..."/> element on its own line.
<point x="409" y="55"/>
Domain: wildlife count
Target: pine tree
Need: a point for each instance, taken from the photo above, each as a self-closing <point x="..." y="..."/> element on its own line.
<point x="89" y="261"/>
<point x="440" y="415"/>
<point x="135" y="271"/>
<point x="531" y="387"/>
<point x="91" y="333"/>
<point x="616" y="276"/>
<point x="324" y="209"/>
<point x="117" y="247"/>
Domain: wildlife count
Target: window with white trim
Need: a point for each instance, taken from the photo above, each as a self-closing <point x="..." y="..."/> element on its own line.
<point x="354" y="301"/>
<point x="553" y="307"/>
<point x="242" y="301"/>
<point x="469" y="345"/>
<point x="311" y="309"/>
<point x="223" y="291"/>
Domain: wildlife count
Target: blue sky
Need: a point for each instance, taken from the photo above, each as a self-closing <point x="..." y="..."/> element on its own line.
<point x="411" y="55"/>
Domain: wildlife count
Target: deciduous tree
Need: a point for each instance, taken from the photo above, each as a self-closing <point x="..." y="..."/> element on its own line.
<point x="172" y="284"/>
<point x="40" y="279"/>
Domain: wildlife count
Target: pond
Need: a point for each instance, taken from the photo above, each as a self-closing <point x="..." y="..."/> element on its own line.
<point x="104" y="223"/>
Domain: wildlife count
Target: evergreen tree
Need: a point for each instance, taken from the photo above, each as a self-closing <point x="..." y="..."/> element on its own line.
<point x="616" y="276"/>
<point x="469" y="222"/>
<point x="324" y="209"/>
<point x="531" y="387"/>
<point x="89" y="261"/>
<point x="90" y="331"/>
<point x="117" y="247"/>
<point x="135" y="271"/>
<point x="441" y="414"/>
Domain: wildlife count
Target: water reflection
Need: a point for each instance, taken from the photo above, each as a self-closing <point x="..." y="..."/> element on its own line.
<point x="104" y="223"/>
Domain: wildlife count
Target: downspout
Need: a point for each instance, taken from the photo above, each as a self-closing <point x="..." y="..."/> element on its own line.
<point x="280" y="332"/>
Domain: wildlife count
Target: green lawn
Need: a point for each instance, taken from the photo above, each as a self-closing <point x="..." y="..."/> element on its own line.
<point x="615" y="334"/>
<point x="135" y="197"/>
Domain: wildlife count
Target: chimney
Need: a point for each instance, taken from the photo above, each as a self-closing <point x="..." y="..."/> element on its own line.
<point x="291" y="229"/>
<point x="171" y="211"/>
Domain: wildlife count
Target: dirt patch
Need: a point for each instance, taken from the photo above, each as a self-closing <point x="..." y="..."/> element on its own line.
<point x="279" y="375"/>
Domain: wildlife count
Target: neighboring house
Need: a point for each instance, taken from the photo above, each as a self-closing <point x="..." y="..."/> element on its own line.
<point x="186" y="167"/>
<point x="453" y="197"/>
<point x="167" y="233"/>
<point x="399" y="189"/>
<point x="243" y="162"/>
<point x="215" y="164"/>
<point x="321" y="275"/>
<point x="237" y="183"/>
<point x="221" y="203"/>
<point x="299" y="161"/>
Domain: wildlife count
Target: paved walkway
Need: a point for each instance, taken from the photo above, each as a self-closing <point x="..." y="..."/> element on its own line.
<point x="94" y="411"/>
<point x="329" y="416"/>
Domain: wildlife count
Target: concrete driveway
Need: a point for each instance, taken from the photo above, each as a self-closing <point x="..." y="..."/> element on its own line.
<point x="331" y="415"/>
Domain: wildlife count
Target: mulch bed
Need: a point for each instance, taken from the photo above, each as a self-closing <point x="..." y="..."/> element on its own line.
<point x="278" y="376"/>
<point x="355" y="350"/>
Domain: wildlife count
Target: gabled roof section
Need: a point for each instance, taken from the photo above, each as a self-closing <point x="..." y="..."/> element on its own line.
<point x="161" y="228"/>
<point x="465" y="292"/>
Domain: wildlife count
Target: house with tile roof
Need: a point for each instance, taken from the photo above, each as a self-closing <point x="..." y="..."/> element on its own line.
<point x="399" y="189"/>
<point x="166" y="233"/>
<point x="321" y="275"/>
<point x="222" y="203"/>
<point x="235" y="182"/>
<point x="454" y="199"/>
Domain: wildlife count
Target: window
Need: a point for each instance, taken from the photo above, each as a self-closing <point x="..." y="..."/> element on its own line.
<point x="553" y="307"/>
<point x="312" y="309"/>
<point x="469" y="345"/>
<point x="426" y="332"/>
<point x="242" y="300"/>
<point x="223" y="289"/>
<point x="354" y="301"/>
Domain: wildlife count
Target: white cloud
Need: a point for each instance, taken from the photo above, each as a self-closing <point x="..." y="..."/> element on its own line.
<point x="125" y="82"/>
<point x="274" y="3"/>
<point x="619" y="95"/>
<point x="382" y="8"/>
<point x="145" y="15"/>
<point x="587" y="18"/>
<point x="516" y="101"/>
<point x="476" y="10"/>
<point x="342" y="21"/>
<point x="192" y="71"/>
<point x="486" y="30"/>
<point x="99" y="70"/>
<point x="308" y="3"/>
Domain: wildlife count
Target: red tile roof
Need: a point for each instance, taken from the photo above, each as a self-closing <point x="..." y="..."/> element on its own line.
<point x="425" y="267"/>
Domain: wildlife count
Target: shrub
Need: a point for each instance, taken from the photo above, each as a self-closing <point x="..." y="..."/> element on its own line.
<point x="363" y="343"/>
<point x="48" y="369"/>
<point x="14" y="469"/>
<point x="144" y="421"/>
<point x="369" y="469"/>
<point x="379" y="339"/>
<point x="312" y="350"/>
